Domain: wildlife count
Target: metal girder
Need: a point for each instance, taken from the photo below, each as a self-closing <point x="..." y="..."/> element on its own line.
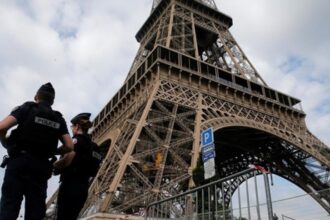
<point x="162" y="163"/>
<point x="141" y="176"/>
<point x="147" y="152"/>
<point x="153" y="135"/>
<point x="209" y="3"/>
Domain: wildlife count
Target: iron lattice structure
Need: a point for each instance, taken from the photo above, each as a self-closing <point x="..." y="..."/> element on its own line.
<point x="190" y="74"/>
<point x="209" y="3"/>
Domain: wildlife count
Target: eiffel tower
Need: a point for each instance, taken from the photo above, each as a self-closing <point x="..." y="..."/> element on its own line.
<point x="190" y="74"/>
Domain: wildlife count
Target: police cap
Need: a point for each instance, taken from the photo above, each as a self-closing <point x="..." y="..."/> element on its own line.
<point x="79" y="117"/>
<point x="47" y="89"/>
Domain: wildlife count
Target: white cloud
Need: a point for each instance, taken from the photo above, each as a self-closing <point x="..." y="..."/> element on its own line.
<point x="85" y="48"/>
<point x="272" y="32"/>
<point x="91" y="63"/>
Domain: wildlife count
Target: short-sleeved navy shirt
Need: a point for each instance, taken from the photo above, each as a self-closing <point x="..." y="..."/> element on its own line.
<point x="82" y="144"/>
<point x="77" y="168"/>
<point x="21" y="112"/>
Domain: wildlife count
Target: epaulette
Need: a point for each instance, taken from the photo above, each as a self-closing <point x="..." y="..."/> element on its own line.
<point x="29" y="103"/>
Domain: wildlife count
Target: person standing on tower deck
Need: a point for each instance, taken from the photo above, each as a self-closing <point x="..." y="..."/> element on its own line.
<point x="76" y="168"/>
<point x="30" y="148"/>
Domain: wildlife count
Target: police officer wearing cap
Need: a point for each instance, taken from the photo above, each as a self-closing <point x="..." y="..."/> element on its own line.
<point x="75" y="177"/>
<point x="30" y="147"/>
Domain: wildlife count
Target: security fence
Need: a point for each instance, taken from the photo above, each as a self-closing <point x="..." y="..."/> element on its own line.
<point x="212" y="201"/>
<point x="229" y="199"/>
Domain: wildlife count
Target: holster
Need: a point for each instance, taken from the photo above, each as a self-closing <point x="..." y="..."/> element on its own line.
<point x="4" y="161"/>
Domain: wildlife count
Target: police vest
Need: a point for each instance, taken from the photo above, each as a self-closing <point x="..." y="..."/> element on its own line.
<point x="39" y="133"/>
<point x="86" y="161"/>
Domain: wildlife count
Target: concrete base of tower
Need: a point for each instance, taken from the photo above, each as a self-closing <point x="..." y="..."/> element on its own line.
<point x="106" y="216"/>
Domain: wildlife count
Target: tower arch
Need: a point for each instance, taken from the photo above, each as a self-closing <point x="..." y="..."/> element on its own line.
<point x="240" y="142"/>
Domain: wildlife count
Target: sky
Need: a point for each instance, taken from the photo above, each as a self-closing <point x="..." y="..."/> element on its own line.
<point x="85" y="49"/>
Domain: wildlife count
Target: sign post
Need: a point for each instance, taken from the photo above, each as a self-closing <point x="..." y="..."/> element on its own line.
<point x="208" y="152"/>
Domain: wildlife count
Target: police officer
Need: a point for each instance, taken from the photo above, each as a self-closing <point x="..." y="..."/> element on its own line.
<point x="30" y="147"/>
<point x="75" y="176"/>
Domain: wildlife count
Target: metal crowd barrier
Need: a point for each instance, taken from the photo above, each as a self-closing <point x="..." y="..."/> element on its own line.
<point x="214" y="201"/>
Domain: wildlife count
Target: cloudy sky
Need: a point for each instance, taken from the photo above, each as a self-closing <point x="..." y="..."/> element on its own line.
<point x="85" y="48"/>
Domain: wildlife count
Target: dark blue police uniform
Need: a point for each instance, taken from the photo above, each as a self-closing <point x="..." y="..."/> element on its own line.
<point x="73" y="190"/>
<point x="29" y="167"/>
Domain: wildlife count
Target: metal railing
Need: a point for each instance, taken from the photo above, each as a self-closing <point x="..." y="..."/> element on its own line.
<point x="213" y="201"/>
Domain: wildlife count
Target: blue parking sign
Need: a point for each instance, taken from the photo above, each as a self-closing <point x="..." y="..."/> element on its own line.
<point x="207" y="137"/>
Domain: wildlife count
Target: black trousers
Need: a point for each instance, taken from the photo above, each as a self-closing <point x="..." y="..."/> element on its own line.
<point x="25" y="176"/>
<point x="71" y="198"/>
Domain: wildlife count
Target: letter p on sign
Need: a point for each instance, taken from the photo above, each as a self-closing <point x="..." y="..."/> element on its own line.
<point x="207" y="137"/>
